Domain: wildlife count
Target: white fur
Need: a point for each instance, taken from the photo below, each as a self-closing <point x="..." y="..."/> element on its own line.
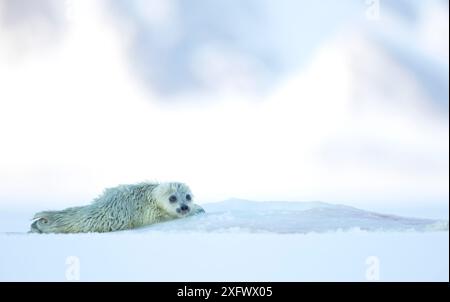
<point x="119" y="208"/>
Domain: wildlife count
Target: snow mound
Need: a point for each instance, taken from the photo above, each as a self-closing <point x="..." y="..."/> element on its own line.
<point x="292" y="217"/>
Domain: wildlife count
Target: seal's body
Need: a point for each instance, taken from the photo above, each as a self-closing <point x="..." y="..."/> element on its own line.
<point x="120" y="208"/>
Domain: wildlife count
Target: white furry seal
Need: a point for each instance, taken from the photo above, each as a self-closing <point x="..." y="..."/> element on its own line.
<point x="120" y="208"/>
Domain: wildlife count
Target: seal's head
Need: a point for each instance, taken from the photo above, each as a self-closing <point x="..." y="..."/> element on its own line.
<point x="174" y="198"/>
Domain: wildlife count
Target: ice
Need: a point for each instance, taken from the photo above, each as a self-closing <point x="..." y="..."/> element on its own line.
<point x="237" y="240"/>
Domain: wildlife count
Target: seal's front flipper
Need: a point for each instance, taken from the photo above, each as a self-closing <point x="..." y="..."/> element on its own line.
<point x="196" y="209"/>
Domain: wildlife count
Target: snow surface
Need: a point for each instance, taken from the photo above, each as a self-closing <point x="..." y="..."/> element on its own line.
<point x="239" y="240"/>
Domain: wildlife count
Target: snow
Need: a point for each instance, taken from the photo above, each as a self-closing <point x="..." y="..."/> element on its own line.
<point x="288" y="217"/>
<point x="238" y="240"/>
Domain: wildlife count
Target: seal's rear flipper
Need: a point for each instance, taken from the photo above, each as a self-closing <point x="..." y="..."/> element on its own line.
<point x="40" y="219"/>
<point x="34" y="227"/>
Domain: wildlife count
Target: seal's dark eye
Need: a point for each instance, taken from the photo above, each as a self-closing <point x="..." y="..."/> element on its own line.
<point x="188" y="197"/>
<point x="173" y="198"/>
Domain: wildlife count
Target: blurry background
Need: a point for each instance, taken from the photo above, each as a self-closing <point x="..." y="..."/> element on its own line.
<point x="338" y="101"/>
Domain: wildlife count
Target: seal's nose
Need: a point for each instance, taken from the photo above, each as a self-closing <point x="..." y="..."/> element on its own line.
<point x="184" y="207"/>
